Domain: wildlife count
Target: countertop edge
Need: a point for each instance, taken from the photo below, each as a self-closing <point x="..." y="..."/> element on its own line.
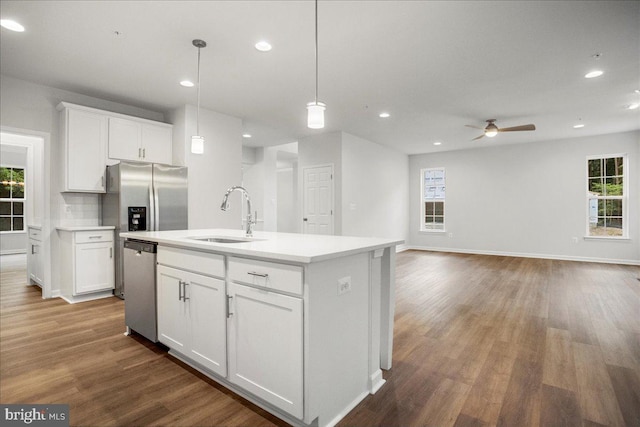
<point x="86" y="228"/>
<point x="261" y="254"/>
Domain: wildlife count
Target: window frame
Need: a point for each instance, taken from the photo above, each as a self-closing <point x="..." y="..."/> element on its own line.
<point x="423" y="223"/>
<point x="624" y="197"/>
<point x="22" y="199"/>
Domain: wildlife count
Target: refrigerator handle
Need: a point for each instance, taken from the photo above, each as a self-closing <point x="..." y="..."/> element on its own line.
<point x="156" y="210"/>
<point x="151" y="216"/>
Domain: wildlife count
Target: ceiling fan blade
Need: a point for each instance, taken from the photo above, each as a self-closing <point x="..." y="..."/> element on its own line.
<point x="481" y="136"/>
<point x="518" y="128"/>
<point x="475" y="127"/>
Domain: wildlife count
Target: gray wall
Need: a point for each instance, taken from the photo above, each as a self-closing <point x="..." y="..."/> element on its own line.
<point x="375" y="189"/>
<point x="526" y="199"/>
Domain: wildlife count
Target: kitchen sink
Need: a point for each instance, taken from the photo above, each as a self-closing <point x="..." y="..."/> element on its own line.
<point x="226" y="239"/>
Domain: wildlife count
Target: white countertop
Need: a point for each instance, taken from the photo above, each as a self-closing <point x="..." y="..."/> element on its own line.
<point x="86" y="228"/>
<point x="292" y="247"/>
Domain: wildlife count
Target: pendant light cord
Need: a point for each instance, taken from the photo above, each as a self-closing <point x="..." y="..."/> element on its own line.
<point x="316" y="52"/>
<point x="198" y="110"/>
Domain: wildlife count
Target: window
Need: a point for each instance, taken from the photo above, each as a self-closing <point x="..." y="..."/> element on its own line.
<point x="432" y="196"/>
<point x="11" y="199"/>
<point x="607" y="196"/>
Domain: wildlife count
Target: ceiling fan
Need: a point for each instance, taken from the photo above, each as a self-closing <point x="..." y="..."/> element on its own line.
<point x="492" y="130"/>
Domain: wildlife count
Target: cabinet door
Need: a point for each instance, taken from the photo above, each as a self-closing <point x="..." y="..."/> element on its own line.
<point x="156" y="143"/>
<point x="266" y="346"/>
<point x="172" y="311"/>
<point x="206" y="299"/>
<point x="34" y="263"/>
<point x="86" y="142"/>
<point x="125" y="139"/>
<point x="94" y="267"/>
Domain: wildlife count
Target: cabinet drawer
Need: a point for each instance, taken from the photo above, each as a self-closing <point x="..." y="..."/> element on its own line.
<point x="35" y="234"/>
<point x="199" y="262"/>
<point x="94" y="236"/>
<point x="281" y="277"/>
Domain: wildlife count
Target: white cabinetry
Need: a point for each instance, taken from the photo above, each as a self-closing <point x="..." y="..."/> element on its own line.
<point x="84" y="134"/>
<point x="139" y="140"/>
<point x="266" y="345"/>
<point x="35" y="264"/>
<point x="87" y="266"/>
<point x="192" y="309"/>
<point x="265" y="331"/>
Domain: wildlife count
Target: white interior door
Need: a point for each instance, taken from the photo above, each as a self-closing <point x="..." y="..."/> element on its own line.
<point x="318" y="200"/>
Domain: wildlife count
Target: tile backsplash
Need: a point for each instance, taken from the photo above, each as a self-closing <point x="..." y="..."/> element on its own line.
<point x="79" y="209"/>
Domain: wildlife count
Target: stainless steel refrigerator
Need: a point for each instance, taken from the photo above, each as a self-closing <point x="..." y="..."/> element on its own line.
<point x="143" y="197"/>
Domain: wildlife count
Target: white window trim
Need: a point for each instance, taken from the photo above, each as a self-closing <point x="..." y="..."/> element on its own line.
<point x="626" y="181"/>
<point x="423" y="213"/>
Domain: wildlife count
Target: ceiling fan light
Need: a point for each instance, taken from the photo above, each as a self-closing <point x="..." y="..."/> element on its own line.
<point x="315" y="115"/>
<point x="491" y="130"/>
<point x="197" y="144"/>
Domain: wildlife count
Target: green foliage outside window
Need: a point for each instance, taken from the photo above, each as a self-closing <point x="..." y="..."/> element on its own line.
<point x="11" y="199"/>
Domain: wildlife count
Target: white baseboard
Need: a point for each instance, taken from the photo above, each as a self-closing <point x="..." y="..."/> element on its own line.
<point x="526" y="255"/>
<point x="401" y="248"/>
<point x="13" y="252"/>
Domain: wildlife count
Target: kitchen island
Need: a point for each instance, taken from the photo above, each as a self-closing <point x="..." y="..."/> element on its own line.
<point x="299" y="324"/>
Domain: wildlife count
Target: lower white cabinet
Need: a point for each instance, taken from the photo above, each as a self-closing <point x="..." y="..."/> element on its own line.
<point x="35" y="262"/>
<point x="87" y="264"/>
<point x="192" y="316"/>
<point x="266" y="346"/>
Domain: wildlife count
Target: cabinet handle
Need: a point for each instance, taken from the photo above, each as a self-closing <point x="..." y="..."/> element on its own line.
<point x="229" y="313"/>
<point x="253" y="273"/>
<point x="95" y="237"/>
<point x="110" y="252"/>
<point x="144" y="153"/>
<point x="184" y="291"/>
<point x="139" y="152"/>
<point x="33" y="249"/>
<point x="179" y="290"/>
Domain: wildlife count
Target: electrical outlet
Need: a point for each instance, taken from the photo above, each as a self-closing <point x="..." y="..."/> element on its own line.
<point x="344" y="285"/>
<point x="574" y="239"/>
<point x="451" y="235"/>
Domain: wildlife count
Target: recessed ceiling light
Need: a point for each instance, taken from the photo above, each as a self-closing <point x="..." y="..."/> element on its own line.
<point x="437" y="143"/>
<point x="578" y="126"/>
<point x="187" y="83"/>
<point x="594" y="73"/>
<point x="633" y="106"/>
<point x="11" y="25"/>
<point x="384" y="115"/>
<point x="263" y="46"/>
<point x="246" y="135"/>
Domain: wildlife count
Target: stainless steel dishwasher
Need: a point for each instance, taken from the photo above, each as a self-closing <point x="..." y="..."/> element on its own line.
<point x="139" y="277"/>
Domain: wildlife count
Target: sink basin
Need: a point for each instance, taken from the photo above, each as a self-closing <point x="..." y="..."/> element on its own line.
<point x="225" y="239"/>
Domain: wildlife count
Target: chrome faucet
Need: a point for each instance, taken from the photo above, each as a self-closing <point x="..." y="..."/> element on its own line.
<point x="250" y="219"/>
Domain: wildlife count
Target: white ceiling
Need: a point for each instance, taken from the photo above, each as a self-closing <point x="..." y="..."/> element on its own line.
<point x="435" y="66"/>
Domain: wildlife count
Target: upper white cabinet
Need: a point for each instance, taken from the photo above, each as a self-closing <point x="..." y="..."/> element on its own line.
<point x="138" y="140"/>
<point x="93" y="138"/>
<point x="84" y="134"/>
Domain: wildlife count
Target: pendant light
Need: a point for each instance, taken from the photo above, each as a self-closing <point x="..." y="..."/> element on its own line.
<point x="315" y="109"/>
<point x="197" y="141"/>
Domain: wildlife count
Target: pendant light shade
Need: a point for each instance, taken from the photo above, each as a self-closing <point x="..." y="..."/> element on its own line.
<point x="315" y="115"/>
<point x="197" y="141"/>
<point x="315" y="109"/>
<point x="197" y="144"/>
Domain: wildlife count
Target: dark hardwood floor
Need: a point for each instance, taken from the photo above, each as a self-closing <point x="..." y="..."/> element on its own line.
<point x="479" y="340"/>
